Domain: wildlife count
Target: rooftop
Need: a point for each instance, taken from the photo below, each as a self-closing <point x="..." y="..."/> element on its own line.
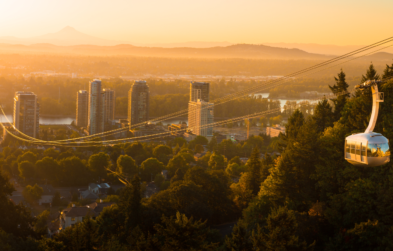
<point x="93" y="209"/>
<point x="199" y="83"/>
<point x="78" y="212"/>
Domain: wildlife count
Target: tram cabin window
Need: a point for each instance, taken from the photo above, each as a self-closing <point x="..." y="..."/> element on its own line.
<point x="378" y="150"/>
<point x="353" y="148"/>
<point x="357" y="148"/>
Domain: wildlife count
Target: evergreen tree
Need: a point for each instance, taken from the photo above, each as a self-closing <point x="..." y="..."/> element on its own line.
<point x="239" y="240"/>
<point x="254" y="167"/>
<point x="267" y="163"/>
<point x="183" y="234"/>
<point x="388" y="72"/>
<point x="88" y="227"/>
<point x="371" y="74"/>
<point x="130" y="203"/>
<point x="323" y="115"/>
<point x="292" y="127"/>
<point x="280" y="233"/>
<point x="338" y="89"/>
<point x="289" y="180"/>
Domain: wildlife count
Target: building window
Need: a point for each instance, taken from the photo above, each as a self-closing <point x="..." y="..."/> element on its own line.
<point x="73" y="219"/>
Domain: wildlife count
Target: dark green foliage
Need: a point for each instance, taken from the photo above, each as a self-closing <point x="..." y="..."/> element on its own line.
<point x="183" y="234"/>
<point x="239" y="240"/>
<point x="130" y="203"/>
<point x="267" y="163"/>
<point x="74" y="172"/>
<point x="26" y="170"/>
<point x="50" y="152"/>
<point x="199" y="140"/>
<point x="289" y="180"/>
<point x="217" y="161"/>
<point x="162" y="149"/>
<point x="254" y="167"/>
<point x="339" y="88"/>
<point x="32" y="193"/>
<point x="126" y="166"/>
<point x="251" y="143"/>
<point x="388" y="72"/>
<point x="370" y="235"/>
<point x="280" y="233"/>
<point x="179" y="175"/>
<point x="81" y="236"/>
<point x="41" y="225"/>
<point x="98" y="163"/>
<point x="371" y="74"/>
<point x="175" y="163"/>
<point x="228" y="149"/>
<point x="176" y="149"/>
<point x="323" y="115"/>
<point x="48" y="169"/>
<point x="216" y="181"/>
<point x="188" y="157"/>
<point x="9" y="242"/>
<point x="293" y="126"/>
<point x="18" y="220"/>
<point x="199" y="149"/>
<point x="150" y="168"/>
<point x="235" y="160"/>
<point x="27" y="156"/>
<point x="137" y="152"/>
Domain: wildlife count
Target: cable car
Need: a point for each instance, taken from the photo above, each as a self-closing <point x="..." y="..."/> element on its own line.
<point x="368" y="149"/>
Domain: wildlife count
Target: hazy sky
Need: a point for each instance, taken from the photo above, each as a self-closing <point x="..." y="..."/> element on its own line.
<point x="341" y="22"/>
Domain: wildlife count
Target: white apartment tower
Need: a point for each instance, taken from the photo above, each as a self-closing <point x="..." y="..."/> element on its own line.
<point x="96" y="108"/>
<point x="109" y="106"/>
<point x="26" y="113"/>
<point x="82" y="105"/>
<point x="200" y="114"/>
<point x="200" y="111"/>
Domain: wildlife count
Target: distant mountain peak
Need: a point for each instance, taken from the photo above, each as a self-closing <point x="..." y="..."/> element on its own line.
<point x="68" y="29"/>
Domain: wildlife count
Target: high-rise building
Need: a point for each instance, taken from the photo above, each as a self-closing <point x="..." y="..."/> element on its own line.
<point x="200" y="111"/>
<point x="27" y="113"/>
<point x="138" y="103"/>
<point x="109" y="108"/>
<point x="95" y="122"/>
<point x="82" y="105"/>
<point x="199" y="90"/>
<point x="200" y="114"/>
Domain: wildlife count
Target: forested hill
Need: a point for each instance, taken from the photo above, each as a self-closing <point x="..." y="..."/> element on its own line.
<point x="232" y="51"/>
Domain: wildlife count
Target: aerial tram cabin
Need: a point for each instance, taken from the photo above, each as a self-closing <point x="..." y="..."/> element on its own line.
<point x="369" y="148"/>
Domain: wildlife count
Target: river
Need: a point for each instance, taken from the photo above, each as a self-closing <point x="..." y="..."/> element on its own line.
<point x="44" y="120"/>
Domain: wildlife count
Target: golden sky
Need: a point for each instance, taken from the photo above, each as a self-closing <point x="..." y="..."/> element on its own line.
<point x="340" y="22"/>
